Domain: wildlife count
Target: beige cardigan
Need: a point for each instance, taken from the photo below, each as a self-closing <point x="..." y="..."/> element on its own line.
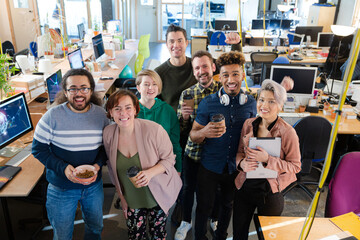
<point x="154" y="146"/>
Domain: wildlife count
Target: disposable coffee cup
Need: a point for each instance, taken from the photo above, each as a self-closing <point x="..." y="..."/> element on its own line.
<point x="132" y="173"/>
<point x="189" y="100"/>
<point x="218" y="118"/>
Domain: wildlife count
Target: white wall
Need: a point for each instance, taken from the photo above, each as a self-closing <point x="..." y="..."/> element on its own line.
<point x="5" y="34"/>
<point x="346" y="12"/>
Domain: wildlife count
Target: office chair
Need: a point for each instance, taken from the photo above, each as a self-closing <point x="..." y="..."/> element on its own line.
<point x="342" y="196"/>
<point x="33" y="49"/>
<point x="8" y="47"/>
<point x="257" y="60"/>
<point x="314" y="134"/>
<point x="344" y="51"/>
<point x="143" y="46"/>
<point x="218" y="38"/>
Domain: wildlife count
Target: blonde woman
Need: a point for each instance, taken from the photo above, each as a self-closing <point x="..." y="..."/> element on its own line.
<point x="149" y="85"/>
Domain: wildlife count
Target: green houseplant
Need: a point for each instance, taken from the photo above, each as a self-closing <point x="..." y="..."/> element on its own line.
<point x="6" y="69"/>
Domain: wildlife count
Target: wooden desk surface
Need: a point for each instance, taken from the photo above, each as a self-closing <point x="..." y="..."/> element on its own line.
<point x="349" y="126"/>
<point x="284" y="228"/>
<point x="22" y="184"/>
<point x="247" y="50"/>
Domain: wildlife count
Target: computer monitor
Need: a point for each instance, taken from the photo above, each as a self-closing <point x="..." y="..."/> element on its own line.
<point x="219" y="25"/>
<point x="75" y="59"/>
<point x="15" y="120"/>
<point x="304" y="78"/>
<point x="266" y="70"/>
<point x="81" y="30"/>
<point x="311" y="31"/>
<point x="324" y="39"/>
<point x="53" y="86"/>
<point x="98" y="45"/>
<point x="259" y="24"/>
<point x="275" y="24"/>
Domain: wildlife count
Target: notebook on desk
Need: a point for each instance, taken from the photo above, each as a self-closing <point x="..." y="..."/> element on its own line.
<point x="7" y="173"/>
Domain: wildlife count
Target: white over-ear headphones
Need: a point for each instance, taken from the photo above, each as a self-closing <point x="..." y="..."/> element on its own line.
<point x="225" y="99"/>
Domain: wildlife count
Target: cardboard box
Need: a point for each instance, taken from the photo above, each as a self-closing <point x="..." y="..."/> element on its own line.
<point x="27" y="82"/>
<point x="36" y="92"/>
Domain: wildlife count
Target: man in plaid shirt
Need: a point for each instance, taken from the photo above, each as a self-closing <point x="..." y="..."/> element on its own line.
<point x="203" y="68"/>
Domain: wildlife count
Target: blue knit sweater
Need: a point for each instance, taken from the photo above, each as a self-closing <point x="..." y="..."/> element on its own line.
<point x="63" y="137"/>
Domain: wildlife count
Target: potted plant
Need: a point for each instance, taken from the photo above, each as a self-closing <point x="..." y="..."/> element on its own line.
<point x="6" y="69"/>
<point x="96" y="29"/>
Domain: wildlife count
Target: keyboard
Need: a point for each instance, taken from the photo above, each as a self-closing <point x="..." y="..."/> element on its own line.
<point x="294" y="114"/>
<point x="20" y="157"/>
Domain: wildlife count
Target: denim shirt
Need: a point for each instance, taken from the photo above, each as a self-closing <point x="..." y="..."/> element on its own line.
<point x="221" y="152"/>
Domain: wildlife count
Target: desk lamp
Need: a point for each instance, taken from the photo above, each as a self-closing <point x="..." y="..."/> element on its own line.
<point x="341" y="32"/>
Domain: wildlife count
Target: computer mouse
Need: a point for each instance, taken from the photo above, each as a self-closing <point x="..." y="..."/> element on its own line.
<point x="321" y="106"/>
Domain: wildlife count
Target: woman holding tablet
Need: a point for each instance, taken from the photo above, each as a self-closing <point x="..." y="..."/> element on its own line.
<point x="264" y="194"/>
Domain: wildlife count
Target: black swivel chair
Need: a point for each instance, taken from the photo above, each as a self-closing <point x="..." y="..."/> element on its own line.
<point x="8" y="47"/>
<point x="257" y="60"/>
<point x="314" y="134"/>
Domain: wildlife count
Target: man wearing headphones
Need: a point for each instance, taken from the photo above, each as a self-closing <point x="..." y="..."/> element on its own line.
<point x="220" y="144"/>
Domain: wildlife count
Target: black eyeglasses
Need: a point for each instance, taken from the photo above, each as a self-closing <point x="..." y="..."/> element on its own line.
<point x="74" y="91"/>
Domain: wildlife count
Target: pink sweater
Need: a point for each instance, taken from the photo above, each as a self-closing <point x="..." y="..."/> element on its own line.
<point x="154" y="146"/>
<point x="287" y="165"/>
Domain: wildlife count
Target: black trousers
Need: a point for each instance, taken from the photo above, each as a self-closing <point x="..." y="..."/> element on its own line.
<point x="245" y="203"/>
<point x="207" y="184"/>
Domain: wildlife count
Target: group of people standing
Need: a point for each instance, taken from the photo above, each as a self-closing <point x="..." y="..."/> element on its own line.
<point x="147" y="133"/>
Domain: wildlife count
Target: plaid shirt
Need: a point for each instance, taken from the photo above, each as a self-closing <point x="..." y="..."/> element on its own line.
<point x="193" y="150"/>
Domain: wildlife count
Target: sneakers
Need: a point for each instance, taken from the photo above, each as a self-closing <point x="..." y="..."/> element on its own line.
<point x="182" y="230"/>
<point x="213" y="225"/>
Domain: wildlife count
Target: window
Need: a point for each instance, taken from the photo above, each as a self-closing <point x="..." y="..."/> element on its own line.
<point x="147" y="2"/>
<point x="46" y="10"/>
<point x="75" y="13"/>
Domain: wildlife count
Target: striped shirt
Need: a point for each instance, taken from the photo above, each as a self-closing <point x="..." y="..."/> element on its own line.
<point x="63" y="137"/>
<point x="193" y="150"/>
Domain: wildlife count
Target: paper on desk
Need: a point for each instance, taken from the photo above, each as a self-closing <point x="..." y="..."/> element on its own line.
<point x="99" y="87"/>
<point x="272" y="146"/>
<point x="348" y="222"/>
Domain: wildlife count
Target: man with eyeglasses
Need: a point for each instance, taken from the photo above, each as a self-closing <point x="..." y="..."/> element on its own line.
<point x="220" y="143"/>
<point x="67" y="136"/>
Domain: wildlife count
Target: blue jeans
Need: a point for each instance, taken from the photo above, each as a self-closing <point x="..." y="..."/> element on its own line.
<point x="61" y="207"/>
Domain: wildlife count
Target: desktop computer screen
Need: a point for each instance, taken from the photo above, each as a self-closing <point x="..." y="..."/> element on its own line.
<point x="259" y="24"/>
<point x="311" y="31"/>
<point x="81" y="30"/>
<point x="219" y="25"/>
<point x="53" y="85"/>
<point x="75" y="59"/>
<point x="98" y="45"/>
<point x="304" y="77"/>
<point x="324" y="39"/>
<point x="15" y="119"/>
<point x="285" y="24"/>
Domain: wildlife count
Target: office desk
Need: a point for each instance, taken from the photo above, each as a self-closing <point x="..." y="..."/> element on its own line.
<point x="284" y="228"/>
<point x="247" y="50"/>
<point x="20" y="186"/>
